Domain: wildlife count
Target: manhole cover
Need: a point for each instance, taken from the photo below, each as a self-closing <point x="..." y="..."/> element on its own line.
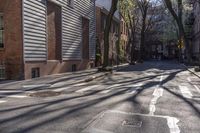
<point x="122" y="122"/>
<point x="132" y="123"/>
<point x="44" y="94"/>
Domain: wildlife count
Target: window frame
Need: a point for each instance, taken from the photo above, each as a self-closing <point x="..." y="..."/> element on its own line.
<point x="2" y="29"/>
<point x="71" y="3"/>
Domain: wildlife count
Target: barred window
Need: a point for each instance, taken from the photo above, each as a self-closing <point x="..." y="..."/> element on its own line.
<point x="2" y="72"/>
<point x="1" y="31"/>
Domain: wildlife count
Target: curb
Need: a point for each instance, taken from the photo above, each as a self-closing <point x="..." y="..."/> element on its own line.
<point x="190" y="71"/>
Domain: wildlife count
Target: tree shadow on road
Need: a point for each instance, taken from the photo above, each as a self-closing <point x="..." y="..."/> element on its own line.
<point x="70" y="106"/>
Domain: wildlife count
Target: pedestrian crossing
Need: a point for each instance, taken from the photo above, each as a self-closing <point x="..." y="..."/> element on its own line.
<point x="185" y="90"/>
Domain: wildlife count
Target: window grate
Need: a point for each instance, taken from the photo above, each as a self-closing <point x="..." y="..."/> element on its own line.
<point x="2" y="72"/>
<point x="35" y="72"/>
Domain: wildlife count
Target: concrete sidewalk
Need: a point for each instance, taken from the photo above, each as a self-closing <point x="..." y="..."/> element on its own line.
<point x="69" y="78"/>
<point x="191" y="69"/>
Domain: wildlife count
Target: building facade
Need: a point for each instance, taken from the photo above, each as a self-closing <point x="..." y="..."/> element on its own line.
<point x="118" y="28"/>
<point x="196" y="31"/>
<point x="102" y="10"/>
<point x="43" y="37"/>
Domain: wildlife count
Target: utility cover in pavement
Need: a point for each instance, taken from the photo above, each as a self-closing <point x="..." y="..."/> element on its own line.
<point x="114" y="122"/>
<point x="44" y="94"/>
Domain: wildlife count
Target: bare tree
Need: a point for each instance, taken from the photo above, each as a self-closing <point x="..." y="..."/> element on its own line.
<point x="178" y="19"/>
<point x="107" y="32"/>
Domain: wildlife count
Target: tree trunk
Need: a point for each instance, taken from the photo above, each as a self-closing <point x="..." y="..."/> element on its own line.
<point x="142" y="43"/>
<point x="107" y="32"/>
<point x="178" y="19"/>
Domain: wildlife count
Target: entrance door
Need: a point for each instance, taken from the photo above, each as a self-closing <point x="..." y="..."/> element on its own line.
<point x="54" y="31"/>
<point x="85" y="38"/>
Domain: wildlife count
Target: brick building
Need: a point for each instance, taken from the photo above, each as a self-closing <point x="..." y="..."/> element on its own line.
<point x="43" y="37"/>
<point x="118" y="27"/>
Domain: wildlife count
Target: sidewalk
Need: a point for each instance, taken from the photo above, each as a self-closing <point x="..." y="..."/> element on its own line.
<point x="191" y="69"/>
<point x="69" y="78"/>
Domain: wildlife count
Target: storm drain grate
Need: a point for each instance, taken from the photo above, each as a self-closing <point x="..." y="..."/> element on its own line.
<point x="45" y="94"/>
<point x="129" y="123"/>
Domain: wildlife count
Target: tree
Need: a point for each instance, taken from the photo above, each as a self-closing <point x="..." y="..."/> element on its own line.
<point x="131" y="17"/>
<point x="178" y="18"/>
<point x="143" y="6"/>
<point x="107" y="31"/>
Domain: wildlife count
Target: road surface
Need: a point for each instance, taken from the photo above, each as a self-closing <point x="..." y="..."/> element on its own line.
<point x="153" y="97"/>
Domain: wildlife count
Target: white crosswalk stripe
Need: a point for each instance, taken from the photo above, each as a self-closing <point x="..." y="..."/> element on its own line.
<point x="185" y="92"/>
<point x="87" y="88"/>
<point x="2" y="101"/>
<point x="17" y="96"/>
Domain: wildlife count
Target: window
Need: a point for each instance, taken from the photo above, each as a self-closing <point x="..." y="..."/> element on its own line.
<point x="85" y="38"/>
<point x="2" y="72"/>
<point x="103" y="22"/>
<point x="1" y="31"/>
<point x="74" y="68"/>
<point x="71" y="3"/>
<point x="35" y="72"/>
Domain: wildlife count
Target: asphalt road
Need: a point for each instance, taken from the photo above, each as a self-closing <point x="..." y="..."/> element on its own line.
<point x="154" y="97"/>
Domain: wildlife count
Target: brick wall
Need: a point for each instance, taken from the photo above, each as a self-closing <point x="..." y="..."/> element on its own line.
<point x="100" y="35"/>
<point x="11" y="54"/>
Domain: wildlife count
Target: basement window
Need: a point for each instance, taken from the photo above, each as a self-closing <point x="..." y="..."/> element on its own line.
<point x="2" y="72"/>
<point x="74" y="68"/>
<point x="35" y="72"/>
<point x="1" y="31"/>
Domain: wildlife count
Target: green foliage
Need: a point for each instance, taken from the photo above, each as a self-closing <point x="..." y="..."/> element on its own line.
<point x="126" y="7"/>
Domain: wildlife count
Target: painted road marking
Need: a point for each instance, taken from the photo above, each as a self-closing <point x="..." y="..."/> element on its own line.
<point x="11" y="91"/>
<point x="2" y="101"/>
<point x="172" y="122"/>
<point x="185" y="92"/>
<point x="108" y="89"/>
<point x="158" y="92"/>
<point x="87" y="88"/>
<point x="197" y="88"/>
<point x="133" y="90"/>
<point x="81" y="84"/>
<point x="95" y="130"/>
<point x="189" y="79"/>
<point x="35" y="86"/>
<point x="61" y="89"/>
<point x="17" y="96"/>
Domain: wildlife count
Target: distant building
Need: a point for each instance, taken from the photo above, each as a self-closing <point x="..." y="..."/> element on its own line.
<point x="43" y="37"/>
<point x="196" y="31"/>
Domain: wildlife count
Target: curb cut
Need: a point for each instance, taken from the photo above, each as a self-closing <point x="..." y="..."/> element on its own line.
<point x="190" y="70"/>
